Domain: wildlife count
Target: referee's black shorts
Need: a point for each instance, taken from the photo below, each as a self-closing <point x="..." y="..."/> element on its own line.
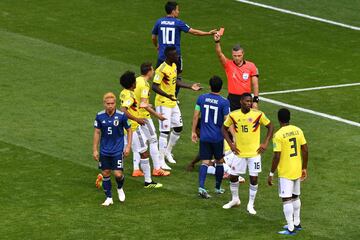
<point x="234" y="100"/>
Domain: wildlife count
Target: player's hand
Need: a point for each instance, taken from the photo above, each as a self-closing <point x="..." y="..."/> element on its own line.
<point x="196" y="87"/>
<point x="303" y="175"/>
<point x="190" y="167"/>
<point x="270" y="180"/>
<point x="213" y="31"/>
<point x="262" y="148"/>
<point x="217" y="37"/>
<point x="255" y="105"/>
<point x="96" y="155"/>
<point x="144" y="105"/>
<point x="234" y="149"/>
<point x="141" y="121"/>
<point x="161" y="117"/>
<point x="127" y="150"/>
<point x="194" y="137"/>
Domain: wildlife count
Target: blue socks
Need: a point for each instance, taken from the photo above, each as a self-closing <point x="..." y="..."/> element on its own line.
<point x="202" y="175"/>
<point x="107" y="186"/>
<point x="120" y="181"/>
<point x="219" y="173"/>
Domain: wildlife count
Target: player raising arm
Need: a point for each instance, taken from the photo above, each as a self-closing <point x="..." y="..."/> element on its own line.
<point x="290" y="148"/>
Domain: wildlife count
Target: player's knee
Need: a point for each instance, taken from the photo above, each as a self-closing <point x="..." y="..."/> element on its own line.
<point x="153" y="140"/>
<point x="178" y="129"/>
<point x="219" y="161"/>
<point x="295" y="197"/>
<point x="253" y="180"/>
<point x="286" y="199"/>
<point x="165" y="132"/>
<point x="118" y="175"/>
<point x="234" y="178"/>
<point x="106" y="173"/>
<point x="145" y="155"/>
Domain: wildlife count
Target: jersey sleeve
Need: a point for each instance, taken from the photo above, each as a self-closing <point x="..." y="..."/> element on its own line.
<point x="276" y="143"/>
<point x="158" y="76"/>
<point x="144" y="92"/>
<point x="126" y="100"/>
<point x="264" y="120"/>
<point x="125" y="122"/>
<point x="97" y="122"/>
<point x="302" y="139"/>
<point x="226" y="107"/>
<point x="183" y="26"/>
<point x="155" y="30"/>
<point x="229" y="121"/>
<point x="253" y="70"/>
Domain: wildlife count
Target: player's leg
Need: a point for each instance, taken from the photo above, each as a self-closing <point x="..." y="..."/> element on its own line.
<point x="118" y="168"/>
<point x="218" y="149"/>
<point x="285" y="193"/>
<point x="99" y="178"/>
<point x="191" y="165"/>
<point x="150" y="133"/>
<point x="136" y="162"/>
<point x="177" y="126"/>
<point x="106" y="166"/>
<point x="205" y="156"/>
<point x="254" y="165"/>
<point x="296" y="204"/>
<point x="238" y="167"/>
<point x="164" y="128"/>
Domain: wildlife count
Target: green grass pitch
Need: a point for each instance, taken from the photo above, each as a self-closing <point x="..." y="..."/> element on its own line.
<point x="57" y="59"/>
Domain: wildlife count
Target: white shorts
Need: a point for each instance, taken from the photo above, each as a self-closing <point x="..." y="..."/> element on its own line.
<point x="288" y="187"/>
<point x="149" y="130"/>
<point x="228" y="158"/>
<point x="239" y="165"/>
<point x="173" y="118"/>
<point x="138" y="141"/>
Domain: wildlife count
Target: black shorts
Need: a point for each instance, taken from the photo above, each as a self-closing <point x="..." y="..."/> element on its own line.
<point x="234" y="100"/>
<point x="208" y="150"/>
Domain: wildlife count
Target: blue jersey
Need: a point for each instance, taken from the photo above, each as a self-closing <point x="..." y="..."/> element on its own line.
<point x="112" y="132"/>
<point x="213" y="110"/>
<point x="169" y="30"/>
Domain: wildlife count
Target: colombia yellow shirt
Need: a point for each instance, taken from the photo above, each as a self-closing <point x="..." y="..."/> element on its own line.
<point x="288" y="140"/>
<point x="247" y="130"/>
<point x="166" y="75"/>
<point x="127" y="99"/>
<point x="142" y="90"/>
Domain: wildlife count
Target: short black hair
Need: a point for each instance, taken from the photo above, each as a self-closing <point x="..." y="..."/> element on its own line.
<point x="237" y="47"/>
<point x="169" y="49"/>
<point x="170" y="6"/>
<point x="145" y="68"/>
<point x="284" y="115"/>
<point x="128" y="79"/>
<point x="244" y="95"/>
<point x="215" y="84"/>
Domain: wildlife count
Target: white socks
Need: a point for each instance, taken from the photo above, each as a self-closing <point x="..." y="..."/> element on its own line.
<point x="174" y="136"/>
<point x="234" y="188"/>
<point x="163" y="142"/>
<point x="154" y="153"/>
<point x="289" y="214"/>
<point x="145" y="166"/>
<point x="136" y="161"/>
<point x="252" y="194"/>
<point x="296" y="205"/>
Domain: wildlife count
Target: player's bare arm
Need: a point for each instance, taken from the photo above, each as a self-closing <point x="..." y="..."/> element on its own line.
<point x="140" y="121"/>
<point x="156" y="88"/>
<point x="148" y="108"/>
<point x="155" y="41"/>
<point x="225" y="132"/>
<point x="127" y="148"/>
<point x="96" y="141"/>
<point x="197" y="32"/>
<point x="194" y="136"/>
<point x="305" y="156"/>
<point x="275" y="163"/>
<point x="194" y="87"/>
<point x="255" y="87"/>
<point x="269" y="134"/>
<point x="218" y="51"/>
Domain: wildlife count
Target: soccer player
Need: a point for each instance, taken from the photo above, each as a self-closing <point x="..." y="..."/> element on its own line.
<point x="289" y="148"/>
<point x="130" y="107"/>
<point x="167" y="32"/>
<point x="142" y="95"/>
<point x="241" y="75"/>
<point x="247" y="147"/>
<point x="213" y="109"/>
<point x="164" y="83"/>
<point x="109" y="132"/>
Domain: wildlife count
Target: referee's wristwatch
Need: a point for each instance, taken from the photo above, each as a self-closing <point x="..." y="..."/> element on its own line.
<point x="256" y="99"/>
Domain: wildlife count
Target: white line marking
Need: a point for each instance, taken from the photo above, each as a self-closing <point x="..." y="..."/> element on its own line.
<point x="332" y="117"/>
<point x="300" y="15"/>
<point x="310" y="89"/>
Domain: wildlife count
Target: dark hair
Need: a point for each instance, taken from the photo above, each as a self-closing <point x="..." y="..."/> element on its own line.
<point x="284" y="115"/>
<point x="145" y="68"/>
<point x="169" y="49"/>
<point x="244" y="95"/>
<point x="128" y="79"/>
<point x="170" y="6"/>
<point x="237" y="47"/>
<point x="215" y="84"/>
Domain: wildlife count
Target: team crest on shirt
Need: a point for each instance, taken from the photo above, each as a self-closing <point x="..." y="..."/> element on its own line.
<point x="245" y="76"/>
<point x="250" y="119"/>
<point x="116" y="122"/>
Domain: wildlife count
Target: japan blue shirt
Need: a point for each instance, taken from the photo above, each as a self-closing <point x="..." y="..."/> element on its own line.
<point x="112" y="132"/>
<point x="169" y="30"/>
<point x="213" y="110"/>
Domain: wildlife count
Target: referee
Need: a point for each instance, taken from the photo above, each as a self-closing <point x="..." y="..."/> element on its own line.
<point x="242" y="76"/>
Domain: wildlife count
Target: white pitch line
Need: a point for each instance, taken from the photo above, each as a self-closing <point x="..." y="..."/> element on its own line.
<point x="300" y="15"/>
<point x="310" y="89"/>
<point x="332" y="117"/>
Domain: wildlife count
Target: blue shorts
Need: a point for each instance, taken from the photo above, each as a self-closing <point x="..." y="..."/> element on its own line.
<point x="111" y="163"/>
<point x="208" y="150"/>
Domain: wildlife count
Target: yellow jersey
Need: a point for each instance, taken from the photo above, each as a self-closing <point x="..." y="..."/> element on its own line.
<point x="166" y="75"/>
<point x="142" y="90"/>
<point x="127" y="99"/>
<point x="247" y="130"/>
<point x="288" y="140"/>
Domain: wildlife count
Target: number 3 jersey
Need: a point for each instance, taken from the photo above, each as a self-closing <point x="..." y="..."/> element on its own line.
<point x="112" y="132"/>
<point x="288" y="140"/>
<point x="247" y="130"/>
<point x="213" y="110"/>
